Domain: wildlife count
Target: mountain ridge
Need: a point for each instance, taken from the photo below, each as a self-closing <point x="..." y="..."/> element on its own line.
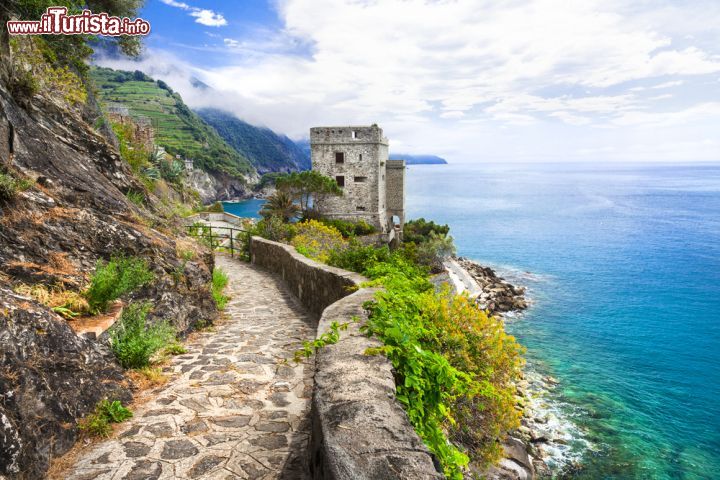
<point x="267" y="150"/>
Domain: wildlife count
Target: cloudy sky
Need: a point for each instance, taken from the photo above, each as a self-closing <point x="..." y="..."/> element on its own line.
<point x="470" y="80"/>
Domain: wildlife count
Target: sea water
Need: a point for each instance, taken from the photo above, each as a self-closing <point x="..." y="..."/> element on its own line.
<point x="622" y="263"/>
<point x="623" y="266"/>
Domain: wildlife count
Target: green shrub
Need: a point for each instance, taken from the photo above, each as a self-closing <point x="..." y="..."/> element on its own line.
<point x="134" y="341"/>
<point x="350" y="229"/>
<point x="418" y="231"/>
<point x="23" y="85"/>
<point x="10" y="185"/>
<point x="114" y="278"/>
<point x="454" y="366"/>
<point x="358" y="257"/>
<point x="204" y="234"/>
<point x="98" y="423"/>
<point x="219" y="282"/>
<point x="273" y="228"/>
<point x="435" y="250"/>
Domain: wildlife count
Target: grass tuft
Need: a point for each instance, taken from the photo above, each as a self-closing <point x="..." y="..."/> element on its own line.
<point x="134" y="341"/>
<point x="219" y="282"/>
<point x="98" y="423"/>
<point x="112" y="279"/>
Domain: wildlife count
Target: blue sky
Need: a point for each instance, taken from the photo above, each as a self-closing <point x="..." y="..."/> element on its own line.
<point x="471" y="80"/>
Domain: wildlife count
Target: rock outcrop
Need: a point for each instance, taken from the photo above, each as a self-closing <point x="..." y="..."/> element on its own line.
<point x="497" y="296"/>
<point x="49" y="377"/>
<point x="73" y="213"/>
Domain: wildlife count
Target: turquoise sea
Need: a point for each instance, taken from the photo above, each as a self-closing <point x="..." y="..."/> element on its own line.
<point x="622" y="263"/>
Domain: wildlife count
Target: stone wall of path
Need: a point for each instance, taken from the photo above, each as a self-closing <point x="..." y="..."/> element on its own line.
<point x="358" y="429"/>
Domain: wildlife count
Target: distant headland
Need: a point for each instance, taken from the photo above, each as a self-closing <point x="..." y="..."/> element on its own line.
<point x="419" y="159"/>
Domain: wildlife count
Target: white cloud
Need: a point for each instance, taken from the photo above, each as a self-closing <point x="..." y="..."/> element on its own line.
<point x="696" y="113"/>
<point x="520" y="79"/>
<point x="208" y="18"/>
<point x="202" y="16"/>
<point x="673" y="83"/>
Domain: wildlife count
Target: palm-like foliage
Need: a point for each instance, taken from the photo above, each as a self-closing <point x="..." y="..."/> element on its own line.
<point x="281" y="205"/>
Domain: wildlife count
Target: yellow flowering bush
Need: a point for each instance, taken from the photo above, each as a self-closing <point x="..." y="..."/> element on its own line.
<point x="316" y="240"/>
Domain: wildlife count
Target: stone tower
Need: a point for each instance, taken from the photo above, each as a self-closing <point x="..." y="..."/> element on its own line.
<point x="357" y="158"/>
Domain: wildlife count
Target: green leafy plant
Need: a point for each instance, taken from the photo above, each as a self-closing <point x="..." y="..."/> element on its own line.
<point x="114" y="278"/>
<point x="66" y="312"/>
<point x="99" y="422"/>
<point x="134" y="341"/>
<point x="280" y="205"/>
<point x="311" y="347"/>
<point x="219" y="282"/>
<point x="273" y="228"/>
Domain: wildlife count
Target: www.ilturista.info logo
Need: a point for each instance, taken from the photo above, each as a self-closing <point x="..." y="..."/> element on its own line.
<point x="56" y="21"/>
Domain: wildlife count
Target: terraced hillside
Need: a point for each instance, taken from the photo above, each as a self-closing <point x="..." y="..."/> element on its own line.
<point x="177" y="128"/>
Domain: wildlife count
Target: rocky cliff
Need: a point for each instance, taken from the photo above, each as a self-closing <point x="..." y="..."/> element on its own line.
<point x="70" y="211"/>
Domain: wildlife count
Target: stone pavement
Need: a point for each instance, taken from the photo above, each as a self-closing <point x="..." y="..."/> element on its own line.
<point x="237" y="405"/>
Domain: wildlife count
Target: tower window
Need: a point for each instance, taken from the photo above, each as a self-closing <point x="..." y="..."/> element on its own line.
<point x="354" y="134"/>
<point x="361" y="157"/>
<point x="339" y="157"/>
<point x="340" y="179"/>
<point x="360" y="208"/>
<point x="360" y="179"/>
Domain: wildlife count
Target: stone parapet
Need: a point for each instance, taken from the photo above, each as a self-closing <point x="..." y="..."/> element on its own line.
<point x="359" y="430"/>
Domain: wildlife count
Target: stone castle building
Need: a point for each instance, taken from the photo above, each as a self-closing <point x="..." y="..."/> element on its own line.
<point x="373" y="186"/>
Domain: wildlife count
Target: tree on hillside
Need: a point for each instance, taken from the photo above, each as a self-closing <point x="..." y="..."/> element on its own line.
<point x="309" y="188"/>
<point x="280" y="205"/>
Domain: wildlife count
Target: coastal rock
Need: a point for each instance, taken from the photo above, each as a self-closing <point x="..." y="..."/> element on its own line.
<point x="497" y="296"/>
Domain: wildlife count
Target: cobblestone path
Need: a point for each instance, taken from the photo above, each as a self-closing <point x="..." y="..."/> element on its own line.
<point x="237" y="405"/>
